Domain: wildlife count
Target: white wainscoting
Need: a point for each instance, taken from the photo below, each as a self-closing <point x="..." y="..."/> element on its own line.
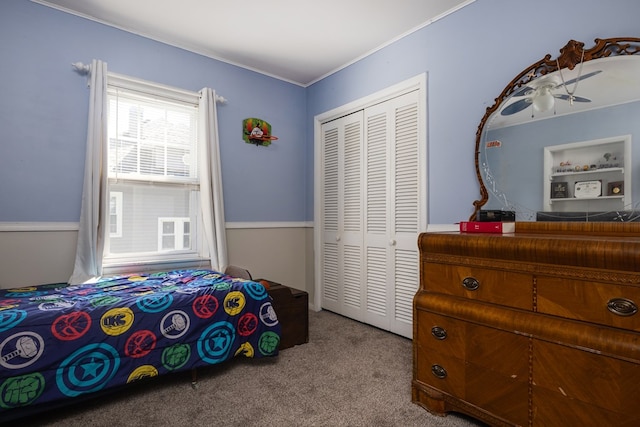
<point x="36" y="254"/>
<point x="281" y="254"/>
<point x="33" y="253"/>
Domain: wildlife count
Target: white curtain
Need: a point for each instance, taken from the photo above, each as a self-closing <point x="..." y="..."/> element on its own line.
<point x="89" y="250"/>
<point x="95" y="201"/>
<point x="211" y="198"/>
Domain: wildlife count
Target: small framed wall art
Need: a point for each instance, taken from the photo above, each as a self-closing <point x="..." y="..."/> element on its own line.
<point x="257" y="131"/>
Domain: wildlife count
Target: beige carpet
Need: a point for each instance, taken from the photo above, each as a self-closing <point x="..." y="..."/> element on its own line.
<point x="349" y="374"/>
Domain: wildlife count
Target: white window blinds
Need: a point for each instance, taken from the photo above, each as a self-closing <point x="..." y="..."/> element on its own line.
<point x="152" y="134"/>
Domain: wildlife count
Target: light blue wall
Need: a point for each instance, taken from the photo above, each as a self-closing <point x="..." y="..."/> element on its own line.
<point x="43" y="115"/>
<point x="470" y="56"/>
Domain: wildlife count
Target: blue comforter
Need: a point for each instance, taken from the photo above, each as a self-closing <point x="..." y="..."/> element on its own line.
<point x="60" y="341"/>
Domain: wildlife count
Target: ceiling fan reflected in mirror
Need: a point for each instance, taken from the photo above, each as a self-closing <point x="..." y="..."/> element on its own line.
<point x="539" y="94"/>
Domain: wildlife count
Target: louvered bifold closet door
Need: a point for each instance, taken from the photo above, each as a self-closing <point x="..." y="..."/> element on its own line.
<point x="342" y="272"/>
<point x="407" y="217"/>
<point x="377" y="268"/>
<point x="393" y="214"/>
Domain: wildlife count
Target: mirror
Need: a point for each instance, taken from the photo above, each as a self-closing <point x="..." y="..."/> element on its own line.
<point x="562" y="141"/>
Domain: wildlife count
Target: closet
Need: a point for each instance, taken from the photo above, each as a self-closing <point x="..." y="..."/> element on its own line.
<point x="372" y="201"/>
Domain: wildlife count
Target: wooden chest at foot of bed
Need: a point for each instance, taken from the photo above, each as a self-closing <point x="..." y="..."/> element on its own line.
<point x="292" y="307"/>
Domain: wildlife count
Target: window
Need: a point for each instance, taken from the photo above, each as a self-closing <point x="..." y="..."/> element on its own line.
<point x="174" y="234"/>
<point x="153" y="180"/>
<point x="115" y="214"/>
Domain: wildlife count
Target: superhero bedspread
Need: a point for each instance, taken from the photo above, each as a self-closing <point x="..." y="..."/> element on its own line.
<point x="60" y="341"/>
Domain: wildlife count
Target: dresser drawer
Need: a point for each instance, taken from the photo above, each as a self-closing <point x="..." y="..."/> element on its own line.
<point x="602" y="303"/>
<point x="440" y="333"/>
<point x="489" y="348"/>
<point x="440" y="351"/>
<point x="483" y="366"/>
<point x="575" y="387"/>
<point x="504" y="396"/>
<point x="483" y="284"/>
<point x="441" y="371"/>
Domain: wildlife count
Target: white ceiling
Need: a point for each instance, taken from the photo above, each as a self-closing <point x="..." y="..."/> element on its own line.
<point x="299" y="41"/>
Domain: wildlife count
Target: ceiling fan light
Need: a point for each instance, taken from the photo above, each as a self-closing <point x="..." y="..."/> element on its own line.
<point x="543" y="100"/>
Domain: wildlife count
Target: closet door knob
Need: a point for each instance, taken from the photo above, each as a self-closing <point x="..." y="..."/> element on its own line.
<point x="392" y="242"/>
<point x="622" y="307"/>
<point x="470" y="283"/>
<point x="337" y="238"/>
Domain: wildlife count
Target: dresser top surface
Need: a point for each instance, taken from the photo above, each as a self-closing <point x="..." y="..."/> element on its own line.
<point x="616" y="252"/>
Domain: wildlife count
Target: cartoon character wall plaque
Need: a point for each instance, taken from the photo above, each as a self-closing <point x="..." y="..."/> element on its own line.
<point x="257" y="131"/>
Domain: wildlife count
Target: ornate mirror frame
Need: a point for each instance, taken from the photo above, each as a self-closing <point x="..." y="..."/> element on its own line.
<point x="570" y="56"/>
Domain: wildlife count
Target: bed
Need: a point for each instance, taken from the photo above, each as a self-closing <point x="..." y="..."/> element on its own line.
<point x="60" y="343"/>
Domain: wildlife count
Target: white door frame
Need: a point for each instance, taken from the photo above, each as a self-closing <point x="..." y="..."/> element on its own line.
<point x="418" y="82"/>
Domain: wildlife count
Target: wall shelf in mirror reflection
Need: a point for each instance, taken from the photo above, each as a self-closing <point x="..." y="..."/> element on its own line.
<point x="595" y="96"/>
<point x="587" y="168"/>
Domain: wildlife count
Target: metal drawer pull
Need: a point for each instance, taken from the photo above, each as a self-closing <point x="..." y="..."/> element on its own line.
<point x="439" y="333"/>
<point x="470" y="283"/>
<point x="622" y="306"/>
<point x="439" y="371"/>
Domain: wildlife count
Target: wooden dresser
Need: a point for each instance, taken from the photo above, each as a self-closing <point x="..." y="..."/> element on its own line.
<point x="534" y="328"/>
